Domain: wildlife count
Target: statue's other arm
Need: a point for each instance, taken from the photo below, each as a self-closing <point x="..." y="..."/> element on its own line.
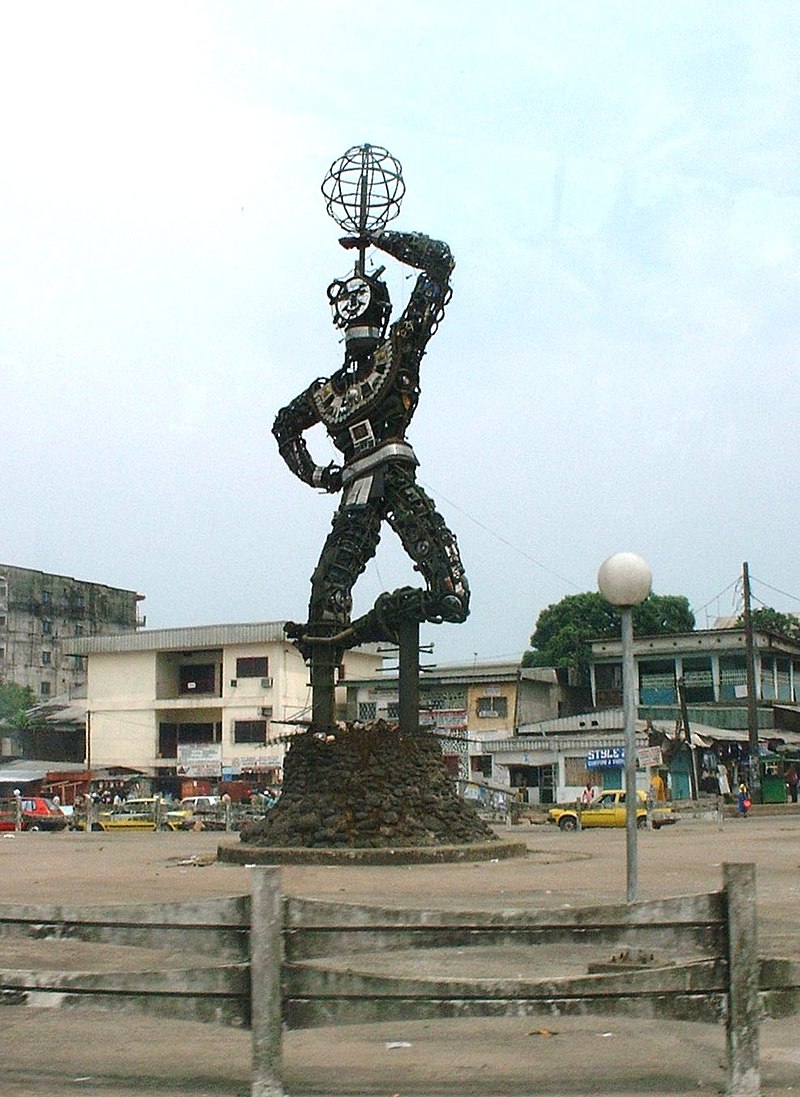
<point x="288" y="428"/>
<point x="432" y="290"/>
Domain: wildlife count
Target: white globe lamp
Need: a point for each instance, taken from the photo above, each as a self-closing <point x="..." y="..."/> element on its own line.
<point x="625" y="580"/>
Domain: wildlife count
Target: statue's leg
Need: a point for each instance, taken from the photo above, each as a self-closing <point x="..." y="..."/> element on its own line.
<point x="352" y="541"/>
<point x="434" y="550"/>
<point x="350" y="545"/>
<point x="431" y="545"/>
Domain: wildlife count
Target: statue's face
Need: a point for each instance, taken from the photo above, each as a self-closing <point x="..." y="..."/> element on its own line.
<point x="349" y="300"/>
<point x="361" y="309"/>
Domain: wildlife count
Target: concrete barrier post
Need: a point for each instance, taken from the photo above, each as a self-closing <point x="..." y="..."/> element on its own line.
<point x="266" y="954"/>
<point x="744" y="1007"/>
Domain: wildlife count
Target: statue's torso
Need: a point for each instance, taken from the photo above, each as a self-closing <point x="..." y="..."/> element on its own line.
<point x="366" y="407"/>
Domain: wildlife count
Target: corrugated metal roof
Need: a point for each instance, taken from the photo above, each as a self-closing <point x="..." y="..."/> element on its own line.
<point x="25" y="770"/>
<point x="609" y="719"/>
<point x="180" y="639"/>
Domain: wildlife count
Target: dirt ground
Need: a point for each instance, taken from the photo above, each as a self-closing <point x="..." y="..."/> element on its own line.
<point x="86" y="1051"/>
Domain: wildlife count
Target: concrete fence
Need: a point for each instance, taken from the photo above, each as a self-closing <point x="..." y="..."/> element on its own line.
<point x="270" y="962"/>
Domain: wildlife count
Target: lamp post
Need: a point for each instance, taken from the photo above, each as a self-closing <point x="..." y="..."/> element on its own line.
<point x="625" y="580"/>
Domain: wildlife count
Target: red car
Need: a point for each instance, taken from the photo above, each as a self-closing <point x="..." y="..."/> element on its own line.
<point x="38" y="813"/>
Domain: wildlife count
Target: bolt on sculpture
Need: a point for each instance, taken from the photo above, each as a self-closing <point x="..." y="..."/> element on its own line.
<point x="366" y="407"/>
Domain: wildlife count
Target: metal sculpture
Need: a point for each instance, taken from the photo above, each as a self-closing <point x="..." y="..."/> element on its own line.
<point x="366" y="407"/>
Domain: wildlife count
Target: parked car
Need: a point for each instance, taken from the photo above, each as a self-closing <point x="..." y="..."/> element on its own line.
<point x="37" y="813"/>
<point x="208" y="809"/>
<point x="148" y="813"/>
<point x="610" y="810"/>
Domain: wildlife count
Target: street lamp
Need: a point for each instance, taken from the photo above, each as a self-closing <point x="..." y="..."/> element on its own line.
<point x="625" y="580"/>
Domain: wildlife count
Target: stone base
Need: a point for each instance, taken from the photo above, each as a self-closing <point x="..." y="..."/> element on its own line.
<point x="367" y="787"/>
<point x="408" y="855"/>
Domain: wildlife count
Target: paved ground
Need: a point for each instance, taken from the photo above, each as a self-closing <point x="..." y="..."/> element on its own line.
<point x="43" y="1052"/>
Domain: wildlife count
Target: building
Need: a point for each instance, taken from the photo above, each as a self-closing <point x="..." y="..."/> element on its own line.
<point x="468" y="705"/>
<point x="42" y="614"/>
<point x="710" y="667"/>
<point x="216" y="702"/>
<point x="697" y="679"/>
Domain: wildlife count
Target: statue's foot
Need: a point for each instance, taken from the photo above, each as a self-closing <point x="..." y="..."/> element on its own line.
<point x="306" y="637"/>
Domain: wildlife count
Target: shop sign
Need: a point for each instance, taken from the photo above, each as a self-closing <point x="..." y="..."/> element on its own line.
<point x="255" y="762"/>
<point x="444" y="717"/>
<point x="649" y="756"/>
<point x="199" y="760"/>
<point x="606" y="758"/>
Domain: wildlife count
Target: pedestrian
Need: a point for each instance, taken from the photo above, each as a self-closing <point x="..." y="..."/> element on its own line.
<point x="588" y="793"/>
<point x="658" y="789"/>
<point x="743" y="801"/>
<point x="792" y="779"/>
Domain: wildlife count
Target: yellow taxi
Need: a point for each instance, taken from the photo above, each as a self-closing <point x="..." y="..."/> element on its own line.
<point x="609" y="809"/>
<point x="147" y="813"/>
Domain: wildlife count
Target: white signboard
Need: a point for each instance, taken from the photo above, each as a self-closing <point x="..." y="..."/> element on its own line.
<point x="649" y="756"/>
<point x="199" y="759"/>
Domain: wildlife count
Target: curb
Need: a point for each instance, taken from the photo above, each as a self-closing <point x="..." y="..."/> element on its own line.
<point x="408" y="855"/>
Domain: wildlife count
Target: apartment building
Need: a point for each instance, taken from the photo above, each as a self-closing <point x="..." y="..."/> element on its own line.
<point x="41" y="614"/>
<point x="217" y="701"/>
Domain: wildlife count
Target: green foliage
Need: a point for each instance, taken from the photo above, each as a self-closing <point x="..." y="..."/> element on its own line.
<point x="14" y="702"/>
<point x="767" y="619"/>
<point x="564" y="631"/>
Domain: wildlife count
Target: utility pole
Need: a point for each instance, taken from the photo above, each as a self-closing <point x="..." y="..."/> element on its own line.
<point x="687" y="734"/>
<point x="754" y="784"/>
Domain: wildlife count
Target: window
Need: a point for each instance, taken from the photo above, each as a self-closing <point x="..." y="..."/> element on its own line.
<point x="47" y="626"/>
<point x="46" y="597"/>
<point x="657" y="684"/>
<point x="196" y="733"/>
<point x="443" y="698"/>
<point x="45" y="658"/>
<point x="367" y="710"/>
<point x="783" y="678"/>
<point x="252" y="667"/>
<point x="492" y="707"/>
<point x="393" y="710"/>
<point x="732" y="677"/>
<point x="44" y="689"/>
<point x="2" y="620"/>
<point x="576" y="773"/>
<point x="249" y="731"/>
<point x="197" y="678"/>
<point x="481" y="763"/>
<point x="697" y="679"/>
<point x="608" y="684"/>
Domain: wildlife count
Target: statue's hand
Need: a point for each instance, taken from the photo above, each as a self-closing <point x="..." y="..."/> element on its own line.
<point x="331" y="478"/>
<point x="350" y="242"/>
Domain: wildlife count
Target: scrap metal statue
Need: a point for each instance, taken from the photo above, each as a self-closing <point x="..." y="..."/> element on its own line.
<point x="366" y="407"/>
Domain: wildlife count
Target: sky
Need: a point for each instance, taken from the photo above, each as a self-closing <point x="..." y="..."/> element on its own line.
<point x="618" y="182"/>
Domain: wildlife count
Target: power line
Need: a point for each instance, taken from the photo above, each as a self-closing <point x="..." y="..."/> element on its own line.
<point x="497" y="537"/>
<point x="716" y="597"/>
<point x="785" y="594"/>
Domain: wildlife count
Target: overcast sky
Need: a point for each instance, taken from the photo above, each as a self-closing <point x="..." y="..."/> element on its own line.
<point x="618" y="181"/>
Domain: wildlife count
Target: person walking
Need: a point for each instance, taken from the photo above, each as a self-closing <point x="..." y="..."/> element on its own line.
<point x="743" y="801"/>
<point x="792" y="779"/>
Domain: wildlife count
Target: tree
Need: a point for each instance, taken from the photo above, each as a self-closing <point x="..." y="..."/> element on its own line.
<point x="564" y="631"/>
<point x="767" y="619"/>
<point x="14" y="702"/>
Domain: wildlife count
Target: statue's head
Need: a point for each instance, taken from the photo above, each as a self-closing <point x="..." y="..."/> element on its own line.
<point x="361" y="309"/>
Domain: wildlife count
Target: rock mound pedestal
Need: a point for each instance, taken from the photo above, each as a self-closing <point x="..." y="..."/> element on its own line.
<point x="370" y="787"/>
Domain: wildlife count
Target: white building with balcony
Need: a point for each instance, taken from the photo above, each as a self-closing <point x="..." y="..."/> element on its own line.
<point x="207" y="701"/>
